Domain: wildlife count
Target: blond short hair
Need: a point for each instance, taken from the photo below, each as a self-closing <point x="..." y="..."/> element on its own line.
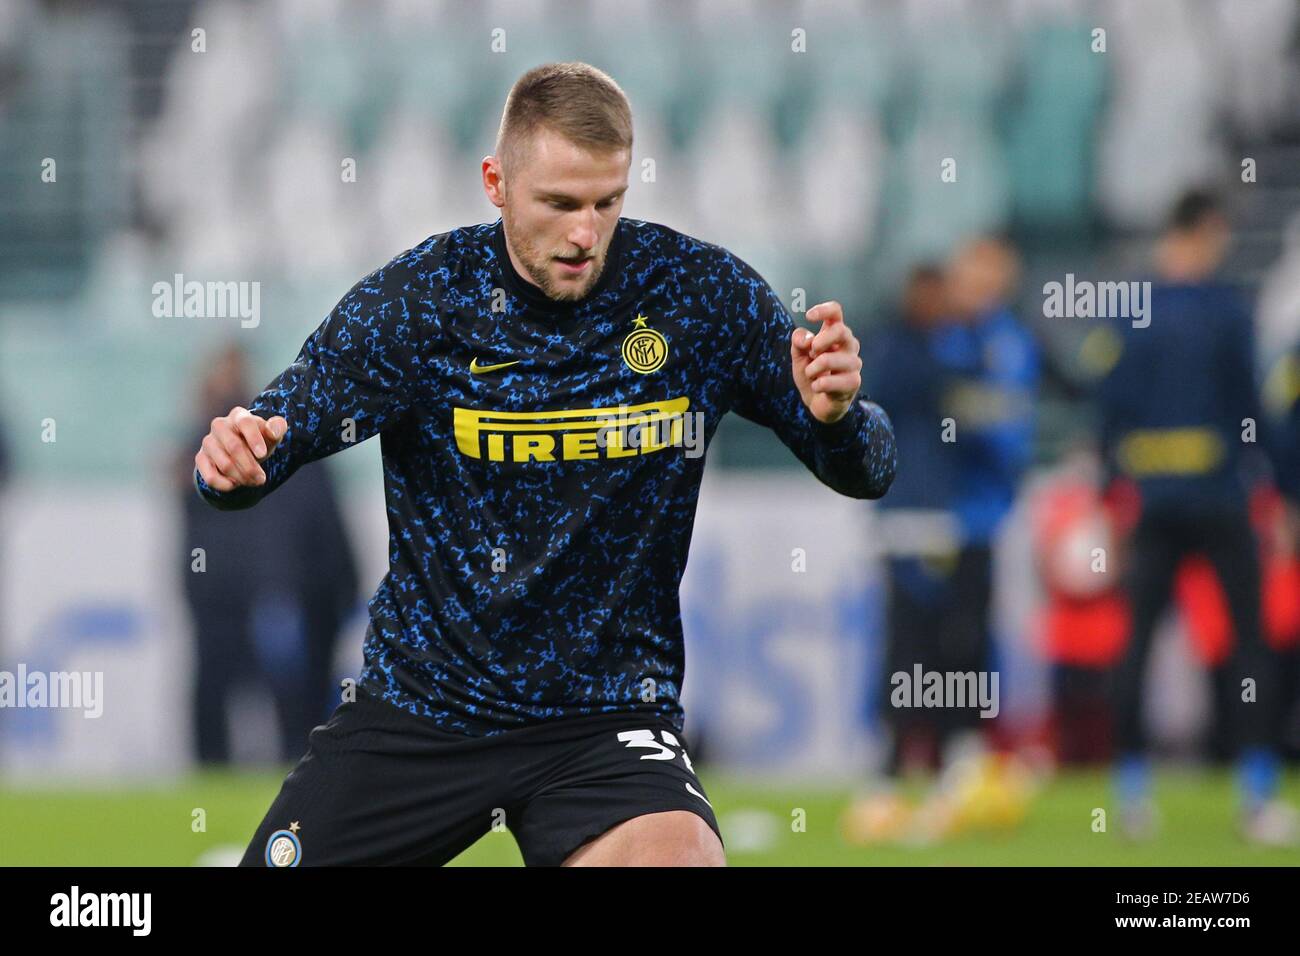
<point x="576" y="100"/>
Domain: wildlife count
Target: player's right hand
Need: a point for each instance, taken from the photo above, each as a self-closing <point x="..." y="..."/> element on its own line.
<point x="235" y="444"/>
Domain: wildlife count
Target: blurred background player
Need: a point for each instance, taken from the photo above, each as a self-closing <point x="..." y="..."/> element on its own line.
<point x="992" y="370"/>
<point x="1183" y="449"/>
<point x="969" y="384"/>
<point x="1084" y="620"/>
<point x="1281" y="393"/>
<point x="280" y="634"/>
<point x="917" y="526"/>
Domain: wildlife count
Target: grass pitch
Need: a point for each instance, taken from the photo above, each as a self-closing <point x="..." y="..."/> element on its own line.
<point x="155" y="826"/>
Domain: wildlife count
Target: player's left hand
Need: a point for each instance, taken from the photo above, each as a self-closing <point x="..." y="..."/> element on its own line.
<point x="827" y="370"/>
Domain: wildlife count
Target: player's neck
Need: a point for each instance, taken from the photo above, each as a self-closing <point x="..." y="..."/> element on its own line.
<point x="517" y="264"/>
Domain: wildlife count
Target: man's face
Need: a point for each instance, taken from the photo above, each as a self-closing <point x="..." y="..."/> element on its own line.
<point x="982" y="274"/>
<point x="926" y="301"/>
<point x="1213" y="238"/>
<point x="559" y="204"/>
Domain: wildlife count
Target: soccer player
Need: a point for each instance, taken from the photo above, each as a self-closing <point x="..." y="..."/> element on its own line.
<point x="991" y="367"/>
<point x="543" y="387"/>
<point x="905" y="376"/>
<point x="967" y="361"/>
<point x="1175" y="413"/>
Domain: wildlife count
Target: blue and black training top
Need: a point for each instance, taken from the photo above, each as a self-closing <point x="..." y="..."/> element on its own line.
<point x="538" y="465"/>
<point x="1178" y="398"/>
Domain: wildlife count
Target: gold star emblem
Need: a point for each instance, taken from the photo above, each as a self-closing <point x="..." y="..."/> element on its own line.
<point x="294" y="827"/>
<point x="640" y="321"/>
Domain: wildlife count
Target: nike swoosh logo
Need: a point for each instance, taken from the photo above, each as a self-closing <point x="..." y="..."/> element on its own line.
<point x="475" y="368"/>
<point x="692" y="790"/>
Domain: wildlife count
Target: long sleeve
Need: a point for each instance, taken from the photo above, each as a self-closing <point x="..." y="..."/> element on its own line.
<point x="855" y="456"/>
<point x="1280" y="429"/>
<point x="1288" y="438"/>
<point x="355" y="376"/>
<point x="1236" y="353"/>
<point x="1111" y="397"/>
<point x="1008" y="444"/>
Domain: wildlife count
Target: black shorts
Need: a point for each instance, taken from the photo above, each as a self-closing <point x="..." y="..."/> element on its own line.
<point x="381" y="786"/>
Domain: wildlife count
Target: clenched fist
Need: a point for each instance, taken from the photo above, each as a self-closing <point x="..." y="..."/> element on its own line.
<point x="229" y="456"/>
<point x="827" y="370"/>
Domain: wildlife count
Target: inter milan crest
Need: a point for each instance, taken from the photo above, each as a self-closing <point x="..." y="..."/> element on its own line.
<point x="283" y="848"/>
<point x="644" y="350"/>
